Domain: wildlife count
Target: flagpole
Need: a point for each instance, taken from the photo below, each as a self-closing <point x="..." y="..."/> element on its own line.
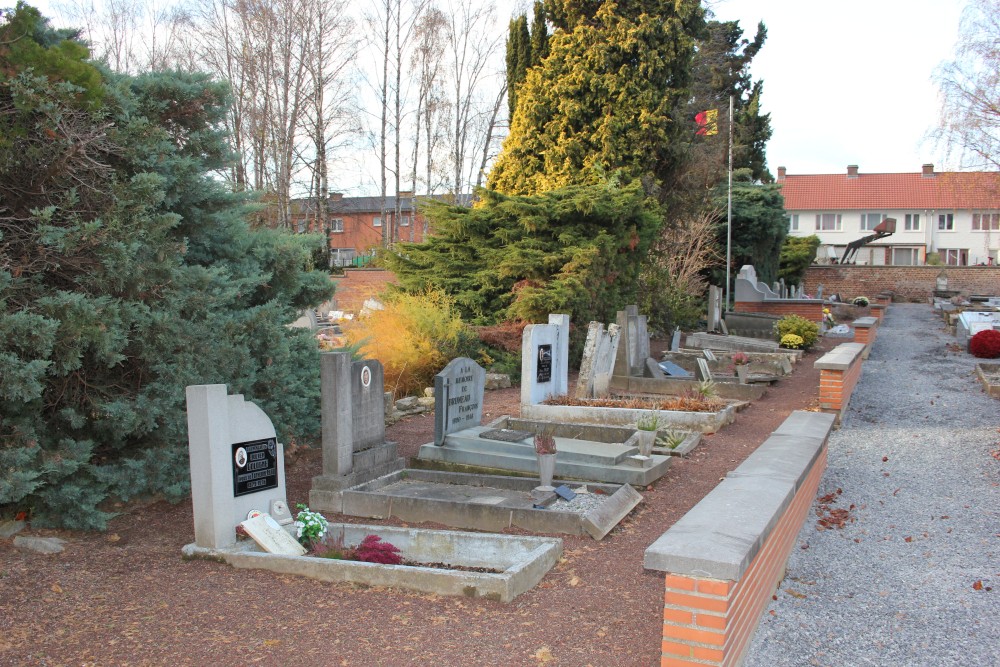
<point x="729" y="211"/>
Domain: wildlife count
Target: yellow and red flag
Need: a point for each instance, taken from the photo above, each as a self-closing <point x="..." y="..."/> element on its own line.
<point x="708" y="122"/>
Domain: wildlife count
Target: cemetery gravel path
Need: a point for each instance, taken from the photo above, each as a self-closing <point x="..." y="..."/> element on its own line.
<point x="126" y="597"/>
<point x="913" y="577"/>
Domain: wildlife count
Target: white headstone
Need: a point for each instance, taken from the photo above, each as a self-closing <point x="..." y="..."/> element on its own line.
<point x="237" y="464"/>
<point x="544" y="360"/>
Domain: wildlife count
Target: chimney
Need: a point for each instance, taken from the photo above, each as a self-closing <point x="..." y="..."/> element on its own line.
<point x="781" y="174"/>
<point x="928" y="171"/>
<point x="852" y="171"/>
<point x="336" y="196"/>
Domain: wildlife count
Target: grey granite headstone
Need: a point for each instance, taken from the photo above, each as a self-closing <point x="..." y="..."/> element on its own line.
<point x="703" y="374"/>
<point x="354" y="405"/>
<point x="458" y="397"/>
<point x="709" y="355"/>
<point x="675" y="340"/>
<point x="819" y="291"/>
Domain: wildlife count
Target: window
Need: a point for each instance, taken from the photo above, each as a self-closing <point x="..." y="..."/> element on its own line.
<point x="912" y="222"/>
<point x="828" y="222"/>
<point x="405" y="221"/>
<point x="341" y="256"/>
<point x="982" y="222"/>
<point x="954" y="256"/>
<point x="870" y="220"/>
<point x="377" y="221"/>
<point x="946" y="222"/>
<point x="793" y="222"/>
<point x="905" y="256"/>
<point x="337" y="225"/>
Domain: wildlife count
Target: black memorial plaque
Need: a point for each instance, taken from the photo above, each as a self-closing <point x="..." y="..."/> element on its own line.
<point x="255" y="466"/>
<point x="544" y="372"/>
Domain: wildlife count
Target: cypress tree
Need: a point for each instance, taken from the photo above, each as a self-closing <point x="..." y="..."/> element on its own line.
<point x="605" y="98"/>
<point x="539" y="35"/>
<point x="518" y="58"/>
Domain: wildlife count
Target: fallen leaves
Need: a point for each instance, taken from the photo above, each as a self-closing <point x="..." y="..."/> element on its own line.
<point x="544" y="655"/>
<point x="832" y="518"/>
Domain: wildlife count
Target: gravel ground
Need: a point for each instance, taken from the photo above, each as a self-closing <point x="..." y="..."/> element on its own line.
<point x="916" y="464"/>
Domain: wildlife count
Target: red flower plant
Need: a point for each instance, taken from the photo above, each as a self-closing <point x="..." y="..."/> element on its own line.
<point x="985" y="344"/>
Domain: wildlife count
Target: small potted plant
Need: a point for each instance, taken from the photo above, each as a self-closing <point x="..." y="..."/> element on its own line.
<point x="545" y="450"/>
<point x="647" y="426"/>
<point x="742" y="364"/>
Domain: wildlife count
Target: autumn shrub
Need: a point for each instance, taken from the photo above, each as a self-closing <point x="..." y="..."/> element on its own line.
<point x="373" y="550"/>
<point x="805" y="329"/>
<point x="414" y="336"/>
<point x="985" y="344"/>
<point x="791" y="342"/>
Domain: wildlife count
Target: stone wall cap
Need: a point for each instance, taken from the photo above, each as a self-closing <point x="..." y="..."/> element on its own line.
<point x="841" y="357"/>
<point x="865" y="322"/>
<point x="722" y="534"/>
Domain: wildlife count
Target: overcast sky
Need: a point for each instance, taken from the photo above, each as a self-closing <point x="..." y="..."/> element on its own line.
<point x="850" y="82"/>
<point x="847" y="82"/>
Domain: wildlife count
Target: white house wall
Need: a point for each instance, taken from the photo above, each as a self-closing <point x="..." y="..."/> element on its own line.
<point x="981" y="245"/>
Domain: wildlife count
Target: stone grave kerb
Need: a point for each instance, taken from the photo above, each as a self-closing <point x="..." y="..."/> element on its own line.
<point x="237" y="464"/>
<point x="458" y="397"/>
<point x="545" y="360"/>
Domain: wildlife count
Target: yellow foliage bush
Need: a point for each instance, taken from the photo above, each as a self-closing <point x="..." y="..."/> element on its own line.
<point x="414" y="337"/>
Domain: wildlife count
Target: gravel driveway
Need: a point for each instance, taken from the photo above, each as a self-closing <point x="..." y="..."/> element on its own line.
<point x="913" y="576"/>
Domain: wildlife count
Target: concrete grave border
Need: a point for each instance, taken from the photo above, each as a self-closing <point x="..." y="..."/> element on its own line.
<point x="526" y="560"/>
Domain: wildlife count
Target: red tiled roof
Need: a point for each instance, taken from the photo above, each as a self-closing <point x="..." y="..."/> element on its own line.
<point x="942" y="191"/>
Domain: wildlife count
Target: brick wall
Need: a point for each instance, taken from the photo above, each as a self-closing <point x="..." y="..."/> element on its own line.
<point x="909" y="283"/>
<point x="711" y="622"/>
<point x="810" y="311"/>
<point x="837" y="384"/>
<point x="356" y="285"/>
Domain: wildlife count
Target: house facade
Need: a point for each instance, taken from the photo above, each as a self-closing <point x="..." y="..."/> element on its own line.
<point x="354" y="226"/>
<point x="953" y="214"/>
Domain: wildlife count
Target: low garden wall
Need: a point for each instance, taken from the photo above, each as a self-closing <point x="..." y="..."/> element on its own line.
<point x="811" y="309"/>
<point x="723" y="559"/>
<point x="865" y="331"/>
<point x="839" y="372"/>
<point x="907" y="283"/>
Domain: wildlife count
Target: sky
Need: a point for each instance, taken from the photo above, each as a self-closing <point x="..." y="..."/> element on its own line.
<point x="847" y="82"/>
<point x="850" y="82"/>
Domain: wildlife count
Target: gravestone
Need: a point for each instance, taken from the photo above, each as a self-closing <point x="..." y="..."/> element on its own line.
<point x="545" y="360"/>
<point x="353" y="423"/>
<point x="598" y="362"/>
<point x="704" y="373"/>
<point x="819" y="292"/>
<point x="714" y="307"/>
<point x="675" y="340"/>
<point x="237" y="465"/>
<point x="458" y="397"/>
<point x="709" y="355"/>
<point x="633" y="348"/>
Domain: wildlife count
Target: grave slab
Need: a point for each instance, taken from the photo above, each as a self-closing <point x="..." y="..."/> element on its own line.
<point x="601" y="520"/>
<point x="482" y="502"/>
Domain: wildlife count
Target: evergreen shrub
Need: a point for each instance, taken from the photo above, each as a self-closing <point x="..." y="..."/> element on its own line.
<point x="985" y="344"/>
<point x="805" y="329"/>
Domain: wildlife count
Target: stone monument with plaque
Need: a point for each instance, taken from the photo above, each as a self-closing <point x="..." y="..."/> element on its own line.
<point x="237" y="465"/>
<point x="353" y="422"/>
<point x="545" y="360"/>
<point x="458" y="397"/>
